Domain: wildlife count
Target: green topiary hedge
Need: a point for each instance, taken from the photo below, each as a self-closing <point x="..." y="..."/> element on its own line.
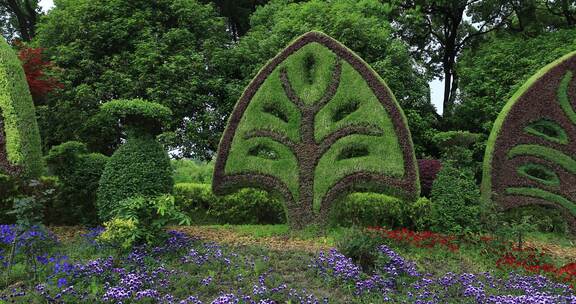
<point x="141" y="166"/>
<point x="78" y="172"/>
<point x="315" y="124"/>
<point x="456" y="206"/>
<point x="20" y="145"/>
<point x="369" y="209"/>
<point x="529" y="156"/>
<point x="247" y="206"/>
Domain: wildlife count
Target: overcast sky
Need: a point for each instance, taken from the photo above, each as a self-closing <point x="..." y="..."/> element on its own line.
<point x="436" y="86"/>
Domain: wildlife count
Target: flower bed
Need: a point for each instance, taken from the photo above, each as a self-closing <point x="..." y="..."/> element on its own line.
<point x="187" y="270"/>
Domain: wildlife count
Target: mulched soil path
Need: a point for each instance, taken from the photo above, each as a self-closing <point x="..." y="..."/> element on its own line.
<point x="227" y="236"/>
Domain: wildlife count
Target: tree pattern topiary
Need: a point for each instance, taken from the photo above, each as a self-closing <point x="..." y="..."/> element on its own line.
<point x="316" y="123"/>
<point x="530" y="153"/>
<point x="141" y="166"/>
<point x="20" y="147"/>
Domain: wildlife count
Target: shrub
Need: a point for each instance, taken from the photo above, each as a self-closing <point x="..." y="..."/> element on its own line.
<point x="248" y="206"/>
<point x="359" y="246"/>
<point x="420" y="214"/>
<point x="119" y="232"/>
<point x="78" y="173"/>
<point x="545" y="219"/>
<point x="146" y="217"/>
<point x="455" y="202"/>
<point x="369" y="209"/>
<point x="19" y="135"/>
<point x="189" y="171"/>
<point x="428" y="170"/>
<point x="140" y="167"/>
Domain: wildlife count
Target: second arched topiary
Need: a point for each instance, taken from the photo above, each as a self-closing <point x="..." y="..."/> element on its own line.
<point x="140" y="167"/>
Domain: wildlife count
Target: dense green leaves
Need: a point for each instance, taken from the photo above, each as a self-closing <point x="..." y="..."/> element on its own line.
<point x="19" y="136"/>
<point x="360" y="25"/>
<point x="497" y="69"/>
<point x="164" y="51"/>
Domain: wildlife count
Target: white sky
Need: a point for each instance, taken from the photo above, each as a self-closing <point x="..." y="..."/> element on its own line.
<point x="436" y="86"/>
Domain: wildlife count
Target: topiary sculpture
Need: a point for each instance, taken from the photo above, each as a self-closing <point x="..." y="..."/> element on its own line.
<point x="530" y="153"/>
<point x="316" y="123"/>
<point x="20" y="147"/>
<point x="141" y="166"/>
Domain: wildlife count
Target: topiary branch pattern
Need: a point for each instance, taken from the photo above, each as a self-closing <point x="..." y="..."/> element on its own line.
<point x="530" y="154"/>
<point x="314" y="124"/>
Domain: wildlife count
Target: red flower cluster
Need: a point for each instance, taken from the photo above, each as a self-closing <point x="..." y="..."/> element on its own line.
<point x="424" y="239"/>
<point x="35" y="68"/>
<point x="533" y="261"/>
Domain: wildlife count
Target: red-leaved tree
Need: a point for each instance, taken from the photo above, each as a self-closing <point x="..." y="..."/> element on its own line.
<point x="37" y="71"/>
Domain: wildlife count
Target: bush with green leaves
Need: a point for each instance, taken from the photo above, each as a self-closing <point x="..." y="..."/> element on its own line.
<point x="456" y="206"/>
<point x="20" y="147"/>
<point x="247" y="206"/>
<point x="142" y="219"/>
<point x="369" y="209"/>
<point x="190" y="171"/>
<point x="141" y="166"/>
<point x="78" y="173"/>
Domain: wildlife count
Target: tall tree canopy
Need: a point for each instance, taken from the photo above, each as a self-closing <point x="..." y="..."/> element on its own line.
<point x="164" y="51"/>
<point x="18" y="18"/>
<point x="363" y="26"/>
<point x="495" y="70"/>
<point x="440" y="29"/>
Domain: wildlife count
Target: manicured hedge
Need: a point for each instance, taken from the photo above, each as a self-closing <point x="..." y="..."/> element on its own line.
<point x="315" y="124"/>
<point x="530" y="153"/>
<point x="141" y="166"/>
<point x="78" y="172"/>
<point x="248" y="206"/>
<point x="20" y="145"/>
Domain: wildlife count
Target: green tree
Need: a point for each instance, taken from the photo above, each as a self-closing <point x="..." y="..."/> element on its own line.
<point x="361" y="25"/>
<point x="494" y="71"/>
<point x="439" y="31"/>
<point x="18" y="18"/>
<point x="162" y="50"/>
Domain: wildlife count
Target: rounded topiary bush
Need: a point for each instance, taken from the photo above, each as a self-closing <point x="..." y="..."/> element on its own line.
<point x="140" y="167"/>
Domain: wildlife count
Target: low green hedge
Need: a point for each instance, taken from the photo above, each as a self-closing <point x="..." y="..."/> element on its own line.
<point x="247" y="206"/>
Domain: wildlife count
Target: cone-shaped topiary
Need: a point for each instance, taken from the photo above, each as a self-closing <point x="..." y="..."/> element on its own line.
<point x="20" y="147"/>
<point x="141" y="166"/>
<point x="530" y="155"/>
<point x="316" y="123"/>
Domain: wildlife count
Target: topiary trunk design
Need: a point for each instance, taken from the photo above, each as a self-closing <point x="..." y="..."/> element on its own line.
<point x="316" y="123"/>
<point x="530" y="153"/>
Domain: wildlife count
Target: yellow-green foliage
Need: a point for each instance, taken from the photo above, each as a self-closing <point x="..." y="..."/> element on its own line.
<point x="119" y="232"/>
<point x="22" y="136"/>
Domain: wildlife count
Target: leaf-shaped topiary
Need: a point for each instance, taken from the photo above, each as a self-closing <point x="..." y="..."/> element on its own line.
<point x="316" y="123"/>
<point x="20" y="147"/>
<point x="141" y="166"/>
<point x="530" y="155"/>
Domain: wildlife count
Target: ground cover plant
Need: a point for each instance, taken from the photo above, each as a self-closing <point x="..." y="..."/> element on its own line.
<point x="185" y="269"/>
<point x="529" y="155"/>
<point x="316" y="123"/>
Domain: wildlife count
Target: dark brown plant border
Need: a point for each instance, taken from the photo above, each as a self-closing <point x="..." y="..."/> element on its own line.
<point x="538" y="102"/>
<point x="300" y="216"/>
